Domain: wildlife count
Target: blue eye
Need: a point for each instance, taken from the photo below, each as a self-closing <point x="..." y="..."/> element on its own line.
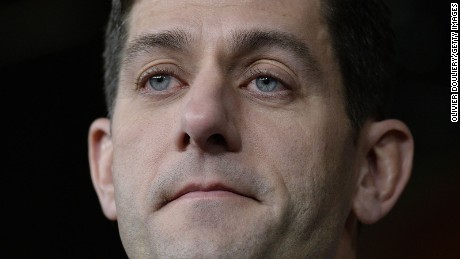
<point x="266" y="84"/>
<point x="159" y="82"/>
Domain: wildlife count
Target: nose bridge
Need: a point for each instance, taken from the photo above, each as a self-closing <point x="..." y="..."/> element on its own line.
<point x="206" y="120"/>
<point x="205" y="104"/>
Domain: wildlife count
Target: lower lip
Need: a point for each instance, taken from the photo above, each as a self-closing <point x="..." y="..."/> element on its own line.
<point x="209" y="195"/>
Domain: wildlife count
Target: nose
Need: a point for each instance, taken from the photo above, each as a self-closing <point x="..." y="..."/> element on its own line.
<point x="208" y="117"/>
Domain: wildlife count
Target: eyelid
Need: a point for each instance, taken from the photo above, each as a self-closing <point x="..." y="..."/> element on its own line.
<point x="157" y="69"/>
<point x="256" y="72"/>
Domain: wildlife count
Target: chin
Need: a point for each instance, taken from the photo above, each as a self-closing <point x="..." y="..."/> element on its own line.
<point x="212" y="246"/>
<point x="213" y="230"/>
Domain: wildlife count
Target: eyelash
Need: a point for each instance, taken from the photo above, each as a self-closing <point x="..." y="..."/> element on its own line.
<point x="254" y="73"/>
<point x="153" y="71"/>
<point x="257" y="72"/>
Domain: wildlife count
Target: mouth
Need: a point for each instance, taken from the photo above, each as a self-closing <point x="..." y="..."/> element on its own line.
<point x="208" y="191"/>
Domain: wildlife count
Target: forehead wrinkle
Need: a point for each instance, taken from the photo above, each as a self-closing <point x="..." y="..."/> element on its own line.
<point x="175" y="39"/>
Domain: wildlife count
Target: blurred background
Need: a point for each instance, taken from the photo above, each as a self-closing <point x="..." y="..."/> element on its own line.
<point x="51" y="90"/>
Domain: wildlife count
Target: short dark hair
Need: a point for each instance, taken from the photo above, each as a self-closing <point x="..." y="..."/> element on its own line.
<point x="361" y="38"/>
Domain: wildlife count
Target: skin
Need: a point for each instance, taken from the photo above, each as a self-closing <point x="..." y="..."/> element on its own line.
<point x="296" y="180"/>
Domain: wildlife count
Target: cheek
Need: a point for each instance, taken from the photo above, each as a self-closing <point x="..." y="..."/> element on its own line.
<point x="309" y="153"/>
<point x="141" y="141"/>
<point x="305" y="155"/>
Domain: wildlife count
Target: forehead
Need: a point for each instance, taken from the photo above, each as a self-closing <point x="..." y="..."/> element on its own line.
<point x="217" y="18"/>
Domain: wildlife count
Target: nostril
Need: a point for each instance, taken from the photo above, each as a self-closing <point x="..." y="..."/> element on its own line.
<point x="218" y="140"/>
<point x="186" y="140"/>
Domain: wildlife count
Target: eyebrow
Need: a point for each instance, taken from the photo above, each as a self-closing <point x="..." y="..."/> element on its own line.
<point x="241" y="42"/>
<point x="247" y="41"/>
<point x="170" y="39"/>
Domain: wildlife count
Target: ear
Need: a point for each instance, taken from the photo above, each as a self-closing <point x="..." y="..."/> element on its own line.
<point x="100" y="158"/>
<point x="386" y="150"/>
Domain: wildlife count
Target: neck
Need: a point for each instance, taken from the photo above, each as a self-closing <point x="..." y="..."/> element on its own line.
<point x="348" y="239"/>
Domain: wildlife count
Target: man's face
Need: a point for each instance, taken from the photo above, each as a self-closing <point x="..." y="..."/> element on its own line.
<point x="230" y="137"/>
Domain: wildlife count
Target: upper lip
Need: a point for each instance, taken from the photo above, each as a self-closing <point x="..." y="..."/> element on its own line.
<point x="194" y="187"/>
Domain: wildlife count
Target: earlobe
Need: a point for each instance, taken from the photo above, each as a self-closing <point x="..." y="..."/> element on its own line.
<point x="385" y="166"/>
<point x="100" y="158"/>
